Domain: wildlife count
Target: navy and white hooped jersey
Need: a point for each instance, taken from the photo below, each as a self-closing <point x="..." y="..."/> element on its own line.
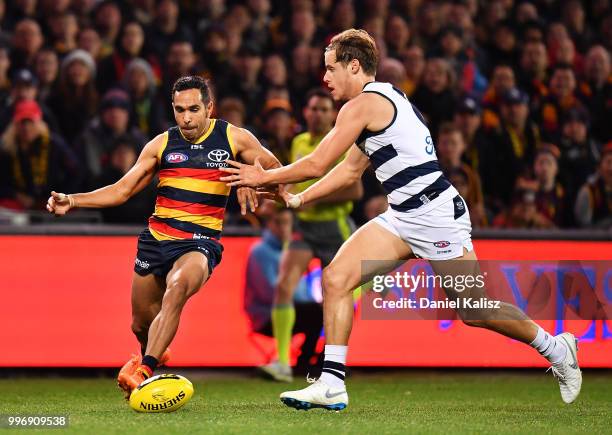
<point x="404" y="158"/>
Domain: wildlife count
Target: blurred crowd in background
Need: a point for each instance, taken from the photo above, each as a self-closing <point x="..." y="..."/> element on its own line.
<point x="517" y="94"/>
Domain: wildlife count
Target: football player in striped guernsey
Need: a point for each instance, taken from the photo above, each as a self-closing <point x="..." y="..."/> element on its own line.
<point x="181" y="246"/>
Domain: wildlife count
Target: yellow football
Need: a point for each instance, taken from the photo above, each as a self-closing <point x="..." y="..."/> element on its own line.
<point x="161" y="393"/>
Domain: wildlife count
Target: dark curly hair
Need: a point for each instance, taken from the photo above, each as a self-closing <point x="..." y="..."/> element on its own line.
<point x="193" y="82"/>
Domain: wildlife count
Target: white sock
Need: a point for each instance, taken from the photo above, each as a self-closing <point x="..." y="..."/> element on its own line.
<point x="549" y="347"/>
<point x="333" y="366"/>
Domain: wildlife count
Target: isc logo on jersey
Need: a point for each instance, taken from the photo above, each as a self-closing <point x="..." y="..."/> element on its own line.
<point x="176" y="158"/>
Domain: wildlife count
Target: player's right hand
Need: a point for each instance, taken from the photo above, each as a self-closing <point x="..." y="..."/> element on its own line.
<point x="59" y="203"/>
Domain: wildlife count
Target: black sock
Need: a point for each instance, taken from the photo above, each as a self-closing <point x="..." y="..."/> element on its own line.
<point x="143" y="350"/>
<point x="334" y="368"/>
<point x="150" y="361"/>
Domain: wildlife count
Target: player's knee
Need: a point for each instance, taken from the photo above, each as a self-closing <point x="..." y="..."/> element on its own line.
<point x="333" y="282"/>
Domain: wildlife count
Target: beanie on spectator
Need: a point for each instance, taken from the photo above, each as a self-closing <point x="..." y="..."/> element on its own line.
<point x="139" y="63"/>
<point x="82" y="56"/>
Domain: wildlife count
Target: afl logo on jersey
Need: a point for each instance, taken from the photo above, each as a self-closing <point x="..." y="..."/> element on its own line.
<point x="176" y="158"/>
<point x="218" y="155"/>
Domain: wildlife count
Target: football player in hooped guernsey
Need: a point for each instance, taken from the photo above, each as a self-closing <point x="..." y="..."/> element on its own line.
<point x="379" y="127"/>
<point x="180" y="248"/>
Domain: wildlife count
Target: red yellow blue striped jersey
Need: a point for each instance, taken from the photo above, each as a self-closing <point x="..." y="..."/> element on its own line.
<point x="191" y="200"/>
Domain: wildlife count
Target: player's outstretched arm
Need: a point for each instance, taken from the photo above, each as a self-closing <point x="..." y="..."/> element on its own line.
<point x="114" y="194"/>
<point x="350" y="123"/>
<point x="250" y="150"/>
<point x="342" y="178"/>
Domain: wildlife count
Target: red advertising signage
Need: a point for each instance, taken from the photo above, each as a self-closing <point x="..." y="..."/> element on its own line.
<point x="66" y="302"/>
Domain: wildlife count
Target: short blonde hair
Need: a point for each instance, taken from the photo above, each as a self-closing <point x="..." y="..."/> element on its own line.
<point x="355" y="44"/>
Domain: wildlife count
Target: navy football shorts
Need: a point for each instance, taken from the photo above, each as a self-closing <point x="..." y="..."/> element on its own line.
<point x="158" y="256"/>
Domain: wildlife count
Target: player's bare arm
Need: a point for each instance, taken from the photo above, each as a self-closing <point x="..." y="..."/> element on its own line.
<point x="343" y="180"/>
<point x="352" y="119"/>
<point x="117" y="193"/>
<point x="250" y="150"/>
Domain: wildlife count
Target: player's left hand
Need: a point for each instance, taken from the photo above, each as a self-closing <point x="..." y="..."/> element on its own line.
<point x="247" y="197"/>
<point x="282" y="195"/>
<point x="244" y="175"/>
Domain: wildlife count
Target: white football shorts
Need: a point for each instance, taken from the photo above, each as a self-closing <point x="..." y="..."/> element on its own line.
<point x="438" y="234"/>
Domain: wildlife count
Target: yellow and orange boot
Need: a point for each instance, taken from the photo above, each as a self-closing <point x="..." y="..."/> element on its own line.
<point x="128" y="382"/>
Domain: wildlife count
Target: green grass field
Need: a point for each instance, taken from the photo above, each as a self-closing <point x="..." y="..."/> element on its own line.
<point x="381" y="403"/>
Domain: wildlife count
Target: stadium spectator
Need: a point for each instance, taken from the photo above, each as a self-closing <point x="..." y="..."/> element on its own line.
<point x="452" y="48"/>
<point x="260" y="22"/>
<point x="523" y="212"/>
<point x="274" y="71"/>
<point x="593" y="206"/>
<point x="64" y="30"/>
<point x="343" y="16"/>
<point x="278" y="128"/>
<point x="301" y="72"/>
<point x="244" y="82"/>
<point x="232" y="110"/>
<point x="450" y="149"/>
<point x="579" y="151"/>
<point x="147" y="112"/>
<point x="5" y="83"/>
<point x="27" y="40"/>
<point x="24" y="88"/>
<point x="107" y="21"/>
<point x="429" y="21"/>
<point x="89" y="40"/>
<point x="261" y="275"/>
<point x="75" y="101"/>
<point x="467" y="119"/>
<point x="46" y="69"/>
<point x="504" y="47"/>
<point x="526" y="12"/>
<point x="562" y="97"/>
<point x="533" y="77"/>
<point x="391" y="70"/>
<point x="435" y="98"/>
<point x="551" y="198"/>
<point x="573" y="16"/>
<point x="510" y="150"/>
<point x="502" y="80"/>
<point x="397" y="36"/>
<point x="414" y="62"/>
<point x="214" y="54"/>
<point x="121" y="157"/>
<point x="597" y="87"/>
<point x="100" y="136"/>
<point x="303" y="27"/>
<point x="131" y="46"/>
<point x="166" y="28"/>
<point x="34" y="160"/>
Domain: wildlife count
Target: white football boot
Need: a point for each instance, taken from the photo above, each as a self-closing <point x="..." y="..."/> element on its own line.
<point x="277" y="371"/>
<point x="567" y="371"/>
<point x="316" y="395"/>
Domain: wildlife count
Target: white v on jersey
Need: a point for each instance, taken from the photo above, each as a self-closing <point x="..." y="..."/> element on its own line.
<point x="404" y="157"/>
